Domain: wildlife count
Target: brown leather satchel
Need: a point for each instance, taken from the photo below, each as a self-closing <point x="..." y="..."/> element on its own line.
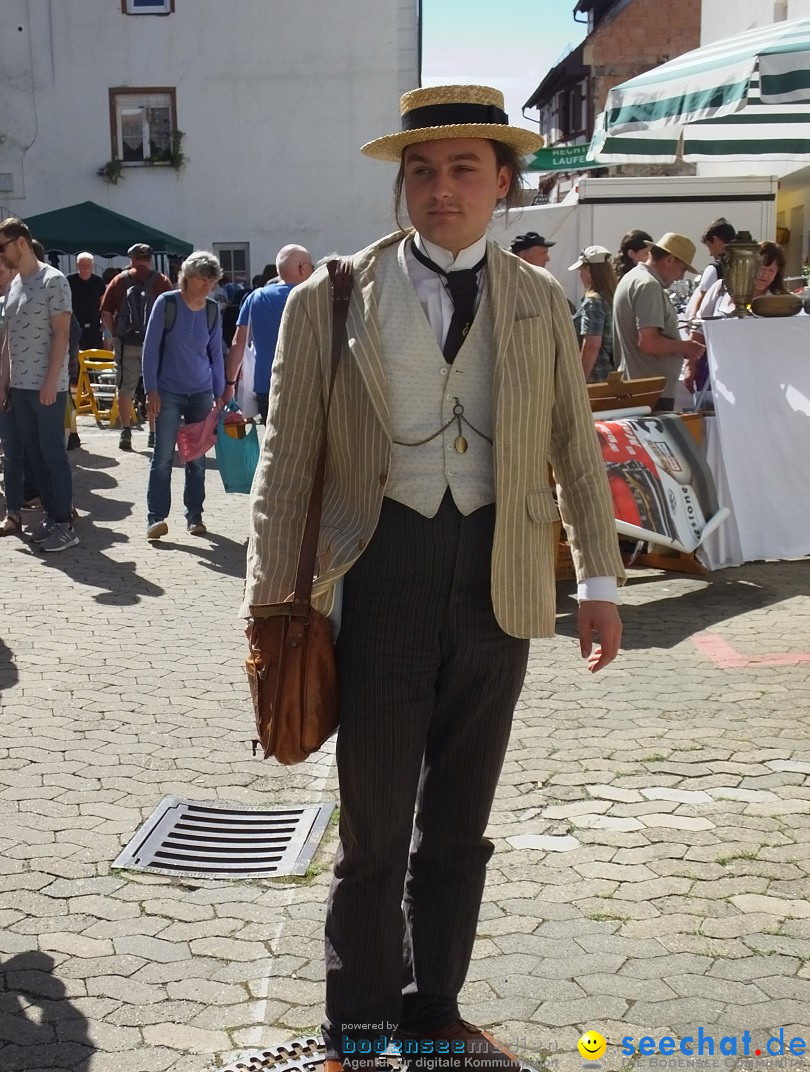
<point x="291" y="665"/>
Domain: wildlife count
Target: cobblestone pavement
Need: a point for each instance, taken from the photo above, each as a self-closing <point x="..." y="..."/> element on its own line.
<point x="652" y="827"/>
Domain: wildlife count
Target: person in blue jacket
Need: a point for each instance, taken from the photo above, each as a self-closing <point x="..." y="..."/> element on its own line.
<point x="184" y="377"/>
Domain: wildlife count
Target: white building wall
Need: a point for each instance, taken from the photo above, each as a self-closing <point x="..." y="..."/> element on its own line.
<point x="275" y="98"/>
<point x="720" y="18"/>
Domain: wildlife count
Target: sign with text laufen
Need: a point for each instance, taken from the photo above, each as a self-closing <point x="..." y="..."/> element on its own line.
<point x="562" y="158"/>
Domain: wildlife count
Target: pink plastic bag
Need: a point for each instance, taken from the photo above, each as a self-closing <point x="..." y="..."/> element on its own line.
<point x="194" y="440"/>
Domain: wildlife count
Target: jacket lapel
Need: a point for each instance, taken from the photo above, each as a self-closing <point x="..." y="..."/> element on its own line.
<point x="363" y="329"/>
<point x="502" y="273"/>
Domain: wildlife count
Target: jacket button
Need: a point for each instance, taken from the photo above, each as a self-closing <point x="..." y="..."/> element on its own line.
<point x="383" y="478"/>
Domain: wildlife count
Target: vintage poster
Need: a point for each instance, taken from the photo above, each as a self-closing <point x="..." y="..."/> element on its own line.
<point x="662" y="487"/>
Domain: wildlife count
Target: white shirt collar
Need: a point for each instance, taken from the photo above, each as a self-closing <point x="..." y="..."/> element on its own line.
<point x="467" y="258"/>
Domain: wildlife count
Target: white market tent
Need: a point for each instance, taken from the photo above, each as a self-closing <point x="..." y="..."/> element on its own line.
<point x="745" y="97"/>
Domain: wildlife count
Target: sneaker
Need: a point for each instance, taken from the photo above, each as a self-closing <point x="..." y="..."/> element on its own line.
<point x="125" y="442"/>
<point x="12" y="526"/>
<point x="196" y="527"/>
<point x="60" y="538"/>
<point x="73" y="441"/>
<point x="34" y="503"/>
<point x="42" y="531"/>
<point x="150" y="442"/>
<point x="156" y="530"/>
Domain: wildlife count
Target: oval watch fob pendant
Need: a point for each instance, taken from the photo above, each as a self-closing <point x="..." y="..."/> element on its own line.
<point x="460" y="444"/>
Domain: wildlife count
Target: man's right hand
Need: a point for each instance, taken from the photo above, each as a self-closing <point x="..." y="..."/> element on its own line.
<point x="152" y="404"/>
<point x="692" y="349"/>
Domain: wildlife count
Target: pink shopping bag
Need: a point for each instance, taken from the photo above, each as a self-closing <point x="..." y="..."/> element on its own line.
<point x="194" y="440"/>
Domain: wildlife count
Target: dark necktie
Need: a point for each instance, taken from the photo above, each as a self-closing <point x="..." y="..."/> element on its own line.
<point x="463" y="288"/>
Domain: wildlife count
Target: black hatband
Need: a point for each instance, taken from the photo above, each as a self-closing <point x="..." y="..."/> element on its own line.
<point x="445" y="115"/>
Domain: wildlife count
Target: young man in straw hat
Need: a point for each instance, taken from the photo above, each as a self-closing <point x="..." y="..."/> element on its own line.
<point x="452" y="398"/>
<point x="646" y="339"/>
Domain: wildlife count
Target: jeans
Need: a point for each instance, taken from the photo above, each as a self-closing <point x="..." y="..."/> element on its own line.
<point x="191" y="408"/>
<point x="38" y="433"/>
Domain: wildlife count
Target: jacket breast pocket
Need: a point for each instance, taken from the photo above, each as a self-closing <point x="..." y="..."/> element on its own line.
<point x="541" y="506"/>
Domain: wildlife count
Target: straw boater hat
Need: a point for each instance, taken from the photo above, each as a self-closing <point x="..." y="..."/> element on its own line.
<point x="437" y="112"/>
<point x="679" y="246"/>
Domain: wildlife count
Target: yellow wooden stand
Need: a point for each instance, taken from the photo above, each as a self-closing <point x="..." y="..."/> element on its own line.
<point x="96" y="361"/>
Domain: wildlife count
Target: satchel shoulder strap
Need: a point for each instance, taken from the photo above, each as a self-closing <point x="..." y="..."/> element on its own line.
<point x="342" y="276"/>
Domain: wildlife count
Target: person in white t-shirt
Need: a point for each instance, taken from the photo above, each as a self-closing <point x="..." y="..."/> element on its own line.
<point x="34" y="384"/>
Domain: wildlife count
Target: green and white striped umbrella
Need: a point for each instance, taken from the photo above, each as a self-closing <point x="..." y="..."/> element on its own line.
<point x="746" y="96"/>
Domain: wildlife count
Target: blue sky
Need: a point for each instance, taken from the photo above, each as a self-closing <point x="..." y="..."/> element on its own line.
<point x="509" y="44"/>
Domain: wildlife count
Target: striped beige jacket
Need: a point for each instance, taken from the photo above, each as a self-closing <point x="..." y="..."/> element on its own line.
<point x="541" y="417"/>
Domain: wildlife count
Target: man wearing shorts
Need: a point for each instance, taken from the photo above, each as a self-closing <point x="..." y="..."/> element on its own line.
<point x="116" y="320"/>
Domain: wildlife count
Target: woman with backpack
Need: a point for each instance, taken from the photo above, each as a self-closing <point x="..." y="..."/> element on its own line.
<point x="184" y="377"/>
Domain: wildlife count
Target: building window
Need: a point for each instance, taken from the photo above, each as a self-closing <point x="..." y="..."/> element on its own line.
<point x="235" y="260"/>
<point x="141" y="125"/>
<point x="147" y="7"/>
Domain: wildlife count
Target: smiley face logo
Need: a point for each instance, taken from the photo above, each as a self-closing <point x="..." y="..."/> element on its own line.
<point x="592" y="1045"/>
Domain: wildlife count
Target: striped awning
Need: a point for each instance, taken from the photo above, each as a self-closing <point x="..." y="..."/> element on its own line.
<point x="746" y="96"/>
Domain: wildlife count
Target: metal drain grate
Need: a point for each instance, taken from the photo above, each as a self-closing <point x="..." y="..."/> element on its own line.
<point x="308" y="1054"/>
<point x="304" y="1054"/>
<point x="210" y="840"/>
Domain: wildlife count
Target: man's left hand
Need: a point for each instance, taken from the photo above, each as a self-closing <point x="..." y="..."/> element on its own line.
<point x="599" y="618"/>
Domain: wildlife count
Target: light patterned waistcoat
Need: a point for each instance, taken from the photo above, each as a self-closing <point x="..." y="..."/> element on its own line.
<point x="423" y="390"/>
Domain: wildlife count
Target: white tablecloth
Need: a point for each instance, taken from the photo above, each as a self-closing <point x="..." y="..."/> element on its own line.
<point x="722" y="548"/>
<point x="760" y="373"/>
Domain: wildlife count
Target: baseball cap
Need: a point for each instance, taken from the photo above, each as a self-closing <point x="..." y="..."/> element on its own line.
<point x="140" y="249"/>
<point x="528" y="240"/>
<point x="591" y="255"/>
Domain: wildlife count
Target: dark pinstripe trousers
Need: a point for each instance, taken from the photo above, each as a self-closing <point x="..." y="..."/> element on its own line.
<point x="428" y="686"/>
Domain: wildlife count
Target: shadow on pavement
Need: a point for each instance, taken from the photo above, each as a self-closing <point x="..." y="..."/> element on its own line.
<point x="88" y="480"/>
<point x="723" y="596"/>
<point x="9" y="675"/>
<point x="226" y="557"/>
<point x="54" y="1033"/>
<point x="125" y="586"/>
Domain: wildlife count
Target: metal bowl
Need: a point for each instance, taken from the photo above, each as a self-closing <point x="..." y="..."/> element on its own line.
<point x="776" y="305"/>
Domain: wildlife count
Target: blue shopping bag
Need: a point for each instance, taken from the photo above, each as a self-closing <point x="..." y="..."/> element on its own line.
<point x="237" y="450"/>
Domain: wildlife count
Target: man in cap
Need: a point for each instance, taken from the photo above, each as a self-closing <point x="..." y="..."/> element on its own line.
<point x="125" y="309"/>
<point x="460" y="384"/>
<point x="646" y="339"/>
<point x="532" y="248"/>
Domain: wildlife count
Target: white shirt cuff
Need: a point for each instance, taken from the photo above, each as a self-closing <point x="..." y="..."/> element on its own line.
<point x="604" y="588"/>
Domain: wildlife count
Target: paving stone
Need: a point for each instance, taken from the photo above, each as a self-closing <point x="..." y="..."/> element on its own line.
<point x="614" y="792"/>
<point x="545" y="842"/>
<point x="606" y="822"/>
<point x="647" y="853"/>
<point x="183" y="1037"/>
<point x="577" y="808"/>
<point x="752" y="902"/>
<point x="714" y="988"/>
<point x="76" y="945"/>
<point x="677" y="822"/>
<point x="748" y="795"/>
<point x="619" y="872"/>
<point x="208" y="992"/>
<point x="582" y="1011"/>
<point x="681" y="796"/>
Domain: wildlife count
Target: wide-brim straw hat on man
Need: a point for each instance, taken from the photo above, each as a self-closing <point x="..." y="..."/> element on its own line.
<point x="679" y="246"/>
<point x="437" y="112"/>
